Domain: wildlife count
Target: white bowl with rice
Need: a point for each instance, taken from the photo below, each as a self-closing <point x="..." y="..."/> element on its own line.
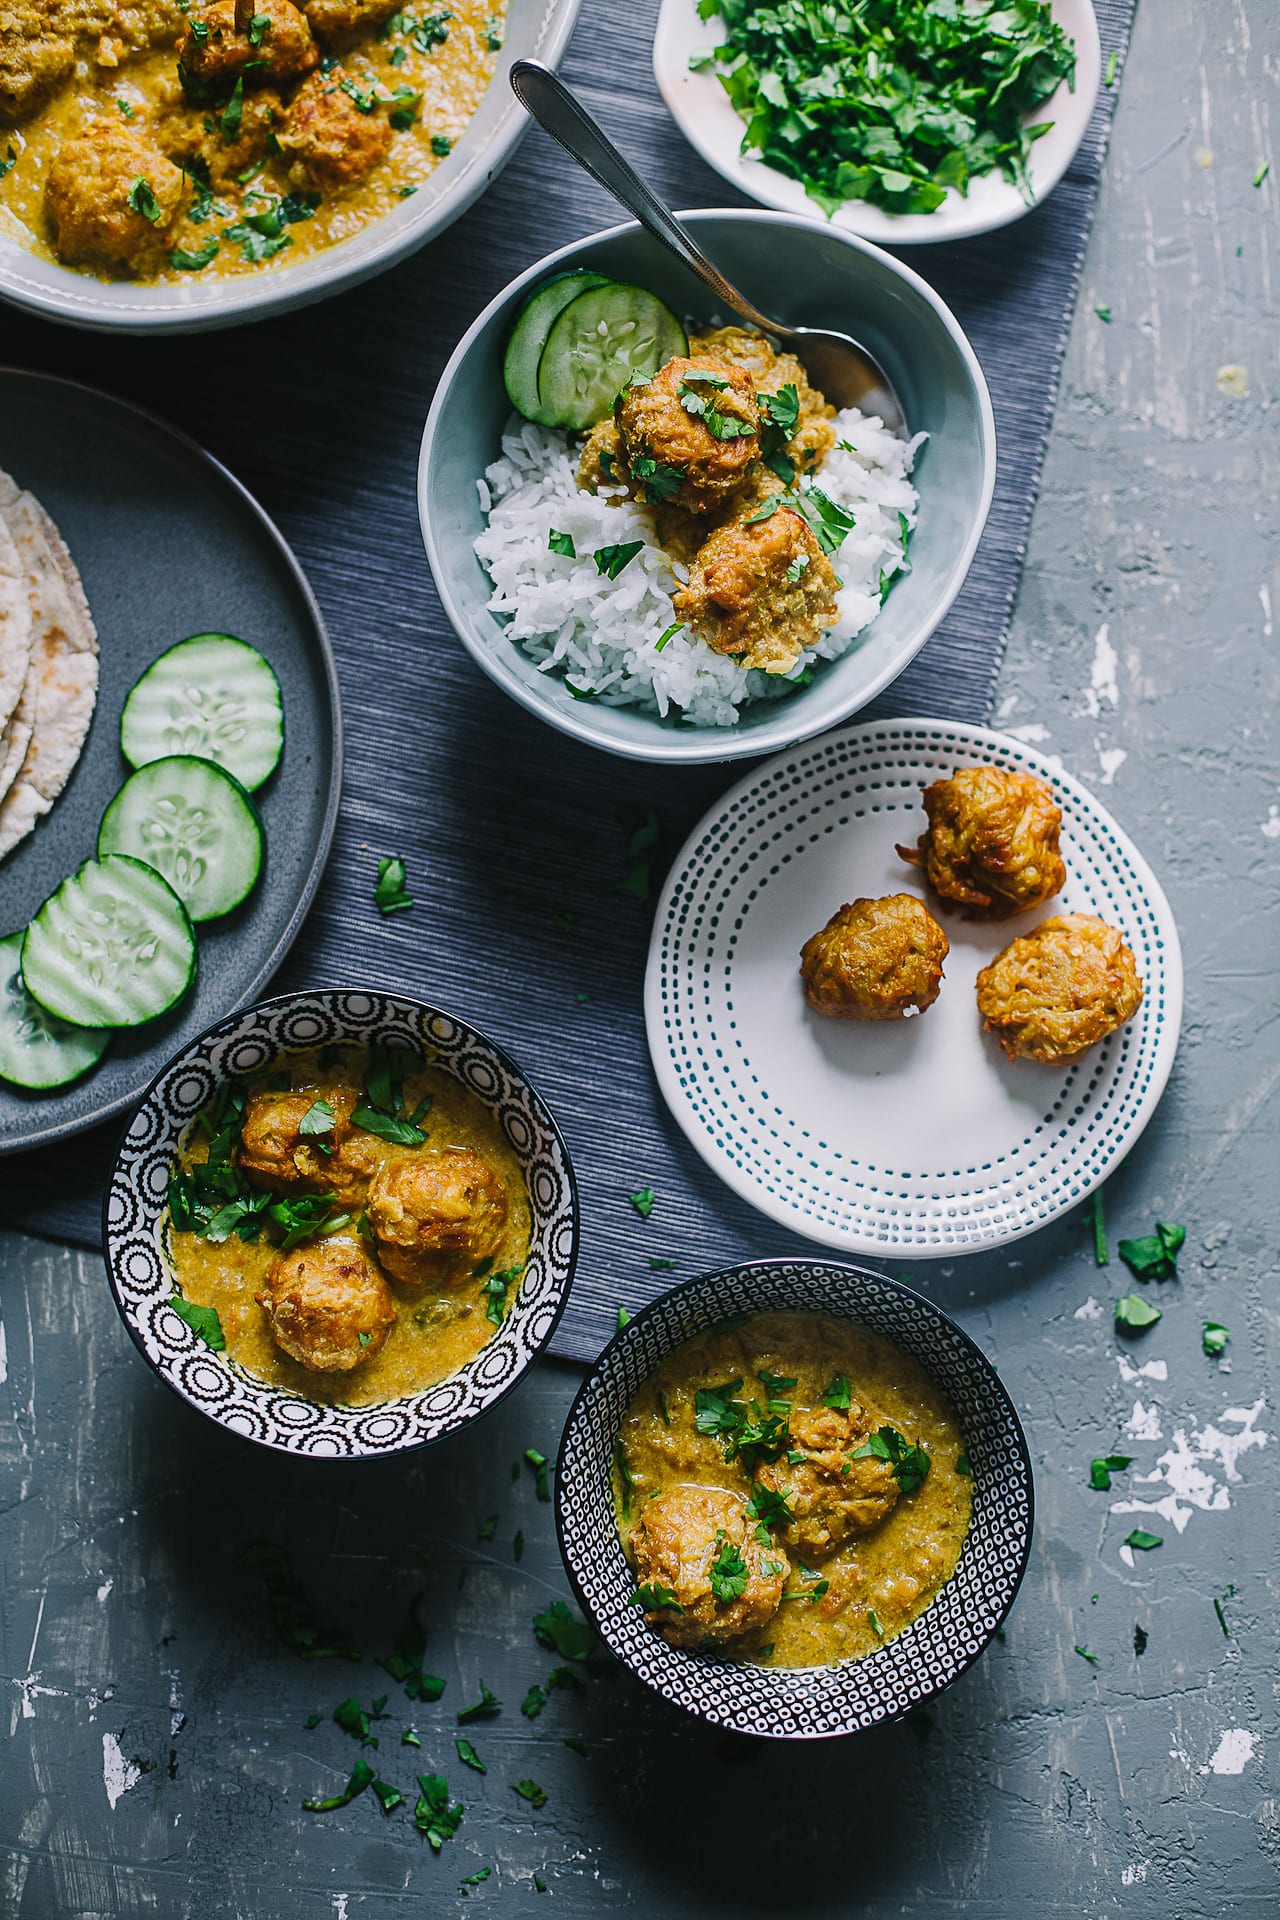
<point x="592" y="654"/>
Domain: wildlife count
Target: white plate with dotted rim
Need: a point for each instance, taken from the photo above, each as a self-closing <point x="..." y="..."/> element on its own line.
<point x="915" y="1138"/>
<point x="711" y="124"/>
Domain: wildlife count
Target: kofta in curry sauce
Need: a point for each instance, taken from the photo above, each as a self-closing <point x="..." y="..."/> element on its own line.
<point x="171" y="140"/>
<point x="358" y="1223"/>
<point x="791" y="1489"/>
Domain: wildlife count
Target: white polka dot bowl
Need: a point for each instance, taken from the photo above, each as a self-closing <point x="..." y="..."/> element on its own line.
<point x="915" y="1138"/>
<point x="802" y="1703"/>
<point x="135" y="1223"/>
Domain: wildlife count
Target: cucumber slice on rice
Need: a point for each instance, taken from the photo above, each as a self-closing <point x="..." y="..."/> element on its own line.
<point x="595" y="345"/>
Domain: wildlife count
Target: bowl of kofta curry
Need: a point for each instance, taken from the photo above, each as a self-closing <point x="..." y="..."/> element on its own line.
<point x="795" y="1498"/>
<point x="184" y="163"/>
<point x="341" y="1223"/>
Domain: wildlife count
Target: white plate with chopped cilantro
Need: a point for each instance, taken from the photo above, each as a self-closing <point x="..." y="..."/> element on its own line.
<point x="911" y="1137"/>
<point x="893" y="132"/>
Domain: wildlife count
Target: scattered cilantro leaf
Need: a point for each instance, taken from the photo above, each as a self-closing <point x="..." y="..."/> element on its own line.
<point x="1104" y="314"/>
<point x="485" y="1708"/>
<point x="533" y="1703"/>
<point x="659" y="1265"/>
<point x="653" y="1597"/>
<point x="389" y="895"/>
<point x="1262" y="173"/>
<point x="964" y="1466"/>
<point x="409" y="1738"/>
<point x="434" y="1815"/>
<point x="538" y="1461"/>
<point x="660" y="482"/>
<point x="318" y="1119"/>
<point x="728" y="1571"/>
<point x="1100" y="1471"/>
<point x="1094" y="1659"/>
<point x="625" y="1317"/>
<point x="496" y="1289"/>
<point x="642" y="844"/>
<point x="836" y="1394"/>
<point x="677" y="626"/>
<point x="405" y="1664"/>
<point x="469" y="1757"/>
<point x="389" y="1797"/>
<point x="128" y="111"/>
<point x="1142" y="1540"/>
<point x="768" y="1509"/>
<point x="910" y="1464"/>
<point x="1133" y="1315"/>
<point x="1217" y="1607"/>
<point x="1101" y="1251"/>
<point x="562" y="543"/>
<point x="1112" y="68"/>
<point x="873" y="1621"/>
<point x="1214" y="1338"/>
<point x="611" y="560"/>
<point x="643" y="1201"/>
<point x="530" y="1790"/>
<point x="8" y="159"/>
<point x="361" y="1777"/>
<point x="188" y="260"/>
<point x="1155" y="1255"/>
<point x="232" y="114"/>
<point x="141" y="197"/>
<point x="556" y="1627"/>
<point x="386" y="1126"/>
<point x="475" y="1879"/>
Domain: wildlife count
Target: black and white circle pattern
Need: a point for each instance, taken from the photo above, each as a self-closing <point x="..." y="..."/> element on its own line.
<point x="763" y="1140"/>
<point x="802" y="1702"/>
<point x="135" y="1217"/>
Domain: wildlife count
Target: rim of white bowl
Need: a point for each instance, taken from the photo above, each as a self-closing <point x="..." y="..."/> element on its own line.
<point x="703" y="745"/>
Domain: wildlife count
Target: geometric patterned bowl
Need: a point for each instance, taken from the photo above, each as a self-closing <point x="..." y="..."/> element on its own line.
<point x="134" y="1233"/>
<point x="800" y="1703"/>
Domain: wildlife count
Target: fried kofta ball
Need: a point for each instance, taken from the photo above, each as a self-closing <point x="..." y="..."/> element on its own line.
<point x="193" y="137"/>
<point x="433" y="1216"/>
<point x="875" y="960"/>
<point x="833" y="1495"/>
<point x="334" y="18"/>
<point x="112" y="198"/>
<point x="328" y="1306"/>
<point x="700" y="1544"/>
<point x="1055" y="992"/>
<point x="991" y="845"/>
<point x="274" y="44"/>
<point x="275" y="1153"/>
<point x="690" y="434"/>
<point x="761" y="591"/>
<point x="330" y="142"/>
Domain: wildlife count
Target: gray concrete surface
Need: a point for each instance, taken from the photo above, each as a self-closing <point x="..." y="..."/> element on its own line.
<point x="155" y="1752"/>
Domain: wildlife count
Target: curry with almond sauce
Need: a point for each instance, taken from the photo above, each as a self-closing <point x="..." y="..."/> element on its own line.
<point x="791" y="1489"/>
<point x="359" y="1224"/>
<point x="159" y="141"/>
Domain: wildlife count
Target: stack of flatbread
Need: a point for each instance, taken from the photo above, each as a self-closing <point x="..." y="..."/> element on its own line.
<point x="48" y="664"/>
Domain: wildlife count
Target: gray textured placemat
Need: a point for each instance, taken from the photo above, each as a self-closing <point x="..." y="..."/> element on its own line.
<point x="514" y="836"/>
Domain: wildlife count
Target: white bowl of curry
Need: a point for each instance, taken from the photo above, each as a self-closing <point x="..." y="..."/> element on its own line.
<point x="341" y="1224"/>
<point x="182" y="164"/>
<point x="795" y="1498"/>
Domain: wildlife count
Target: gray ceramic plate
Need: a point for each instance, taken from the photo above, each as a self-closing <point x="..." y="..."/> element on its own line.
<point x="167" y="544"/>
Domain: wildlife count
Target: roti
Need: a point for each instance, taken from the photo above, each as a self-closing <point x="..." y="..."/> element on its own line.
<point x="15" y="735"/>
<point x="15" y="620"/>
<point x="63" y="668"/>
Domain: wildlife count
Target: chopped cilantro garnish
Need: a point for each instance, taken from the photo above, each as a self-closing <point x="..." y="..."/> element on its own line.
<point x="611" y="560"/>
<point x="409" y="1738"/>
<point x="677" y="626"/>
<point x="577" y="1746"/>
<point x="389" y="895"/>
<point x="1101" y="1251"/>
<point x="259" y="28"/>
<point x="625" y="1480"/>
<point x="433" y="1814"/>
<point x="910" y="1464"/>
<point x="1217" y="1607"/>
<point x="493" y="33"/>
<point x="312" y="1720"/>
<point x="566" y="1635"/>
<point x="125" y="108"/>
<point x="768" y="1509"/>
<point x="562" y="543"/>
<point x="389" y="1797"/>
<point x="533" y="1703"/>
<point x="660" y="482"/>
<point x="1143" y="1540"/>
<point x="1155" y="1255"/>
<point x="530" y="1790"/>
<point x="624" y="1318"/>
<point x="203" y="1322"/>
<point x="728" y="1571"/>
<point x="353" y="1719"/>
<point x="363" y="99"/>
<point x="776" y="1384"/>
<point x="964" y="1466"/>
<point x="1100" y="1471"/>
<point x="387" y="1126"/>
<point x="538" y="1461"/>
<point x="307" y="1217"/>
<point x="1112" y="68"/>
<point x="441" y="144"/>
<point x="405" y="1664"/>
<point x="701" y="406"/>
<point x="232" y="114"/>
<point x="643" y="1201"/>
<point x="894" y="101"/>
<point x="8" y="160"/>
<point x="469" y="1757"/>
<point x="659" y="1265"/>
<point x="873" y="1621"/>
<point x="1104" y="314"/>
<point x="827" y="522"/>
<point x="1262" y="173"/>
<point x="361" y="1777"/>
<point x="255" y="245"/>
<point x="1133" y="1315"/>
<point x="141" y="197"/>
<point x="319" y="1118"/>
<point x="836" y="1394"/>
<point x="482" y="1709"/>
<point x="1214" y="1338"/>
<point x="654" y="1597"/>
<point x="496" y="1290"/>
<point x="718" y="1411"/>
<point x="1085" y="1654"/>
<point x="188" y="261"/>
<point x="475" y="1879"/>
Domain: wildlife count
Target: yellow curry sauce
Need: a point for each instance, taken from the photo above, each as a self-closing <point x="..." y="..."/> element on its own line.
<point x="423" y="69"/>
<point x="881" y="1579"/>
<point x="439" y="1327"/>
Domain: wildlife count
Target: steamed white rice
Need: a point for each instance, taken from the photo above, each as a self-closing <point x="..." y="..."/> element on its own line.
<point x="602" y="634"/>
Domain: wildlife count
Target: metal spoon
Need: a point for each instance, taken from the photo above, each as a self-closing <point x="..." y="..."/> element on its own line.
<point x="844" y="371"/>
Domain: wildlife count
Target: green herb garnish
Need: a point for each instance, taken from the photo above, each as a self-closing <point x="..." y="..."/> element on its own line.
<point x="768" y="1509"/>
<point x="1101" y="1251"/>
<point x="530" y="1790"/>
<point x="1133" y="1315"/>
<point x="610" y="561"/>
<point x="433" y="1814"/>
<point x="566" y="1635"/>
<point x="1155" y="1255"/>
<point x="653" y="1597"/>
<point x="389" y="895"/>
<point x="1214" y="1338"/>
<point x="1100" y="1471"/>
<point x="701" y="406"/>
<point x="1142" y="1540"/>
<point x="361" y="1777"/>
<point x="125" y="108"/>
<point x="141" y="197"/>
<point x="1104" y="314"/>
<point x="1262" y="173"/>
<point x="496" y="1290"/>
<point x="203" y="1322"/>
<point x="910" y="1464"/>
<point x="8" y="160"/>
<point x="964" y="1466"/>
<point x="405" y="1664"/>
<point x="538" y="1461"/>
<point x="728" y="1571"/>
<point x="562" y="543"/>
<point x="836" y="1394"/>
<point x="873" y="1621"/>
<point x="232" y="114"/>
<point x="660" y="482"/>
<point x="469" y="1757"/>
<point x="1112" y="68"/>
<point x="319" y="1118"/>
<point x="186" y="261"/>
<point x="827" y="522"/>
<point x="482" y="1709"/>
<point x="1094" y="1659"/>
<point x="475" y="1879"/>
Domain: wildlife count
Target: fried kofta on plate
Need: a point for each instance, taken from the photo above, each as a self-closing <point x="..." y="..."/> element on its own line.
<point x="991" y="846"/>
<point x="875" y="960"/>
<point x="1057" y="991"/>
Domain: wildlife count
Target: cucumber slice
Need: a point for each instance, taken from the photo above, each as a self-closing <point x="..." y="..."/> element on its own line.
<point x="113" y="947"/>
<point x="529" y="336"/>
<point x="213" y="696"/>
<point x="195" y="824"/>
<point x="595" y="344"/>
<point x="37" y="1051"/>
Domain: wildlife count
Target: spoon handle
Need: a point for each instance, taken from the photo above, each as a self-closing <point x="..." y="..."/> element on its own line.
<point x="560" y="113"/>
